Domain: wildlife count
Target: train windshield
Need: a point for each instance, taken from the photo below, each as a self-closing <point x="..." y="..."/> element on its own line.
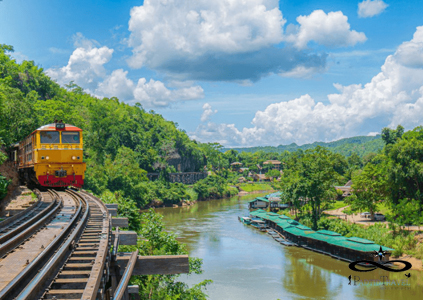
<point x="70" y="137"/>
<point x="50" y="137"/>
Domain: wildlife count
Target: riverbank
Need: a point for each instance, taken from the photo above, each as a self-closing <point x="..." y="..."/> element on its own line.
<point x="236" y="255"/>
<point x="417" y="264"/>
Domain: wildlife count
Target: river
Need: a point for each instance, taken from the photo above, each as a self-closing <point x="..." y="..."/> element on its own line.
<point x="249" y="265"/>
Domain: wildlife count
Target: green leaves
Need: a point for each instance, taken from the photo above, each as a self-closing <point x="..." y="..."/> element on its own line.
<point x="4" y="183"/>
<point x="369" y="188"/>
<point x="309" y="178"/>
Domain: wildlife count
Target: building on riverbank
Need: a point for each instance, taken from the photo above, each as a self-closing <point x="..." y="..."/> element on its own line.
<point x="274" y="200"/>
<point x="322" y="241"/>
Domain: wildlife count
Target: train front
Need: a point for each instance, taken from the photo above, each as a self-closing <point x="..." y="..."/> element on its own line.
<point x="58" y="153"/>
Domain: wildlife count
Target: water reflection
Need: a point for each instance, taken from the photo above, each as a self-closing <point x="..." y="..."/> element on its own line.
<point x="247" y="264"/>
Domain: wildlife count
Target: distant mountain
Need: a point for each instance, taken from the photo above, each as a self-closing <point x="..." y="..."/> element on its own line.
<point x="361" y="145"/>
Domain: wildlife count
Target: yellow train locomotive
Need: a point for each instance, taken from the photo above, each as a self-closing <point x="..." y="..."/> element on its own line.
<point x="51" y="156"/>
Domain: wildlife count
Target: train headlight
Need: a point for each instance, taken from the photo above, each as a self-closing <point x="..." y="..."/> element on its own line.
<point x="74" y="157"/>
<point x="47" y="157"/>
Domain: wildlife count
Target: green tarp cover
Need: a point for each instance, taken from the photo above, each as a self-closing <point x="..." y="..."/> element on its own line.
<point x="299" y="232"/>
<point x="257" y="212"/>
<point x="260" y="198"/>
<point x="348" y="243"/>
<point x="284" y="217"/>
<point x="272" y="214"/>
<point x="330" y="237"/>
<point x="293" y="222"/>
<point x="360" y="240"/>
<point x="328" y="232"/>
<point x="303" y="227"/>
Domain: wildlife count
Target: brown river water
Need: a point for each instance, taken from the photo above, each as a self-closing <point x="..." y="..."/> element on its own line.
<point x="247" y="264"/>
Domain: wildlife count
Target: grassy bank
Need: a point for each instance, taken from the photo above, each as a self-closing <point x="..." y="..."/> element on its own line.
<point x="252" y="187"/>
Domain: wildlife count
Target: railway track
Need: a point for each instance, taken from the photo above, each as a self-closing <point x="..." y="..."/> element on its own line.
<point x="61" y="250"/>
<point x="83" y="275"/>
<point x="26" y="225"/>
<point x="14" y="224"/>
<point x="65" y="256"/>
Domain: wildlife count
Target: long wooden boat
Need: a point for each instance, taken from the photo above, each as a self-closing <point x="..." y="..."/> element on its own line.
<point x="259" y="224"/>
<point x="245" y="220"/>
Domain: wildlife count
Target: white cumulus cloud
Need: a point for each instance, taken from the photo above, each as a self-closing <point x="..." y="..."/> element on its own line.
<point x="216" y="40"/>
<point x="392" y="97"/>
<point x="86" y="68"/>
<point x="166" y="29"/>
<point x="370" y="8"/>
<point x="85" y="65"/>
<point x="150" y="94"/>
<point x="331" y="30"/>
<point x="207" y="112"/>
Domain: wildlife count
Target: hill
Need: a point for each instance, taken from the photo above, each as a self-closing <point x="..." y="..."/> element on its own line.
<point x="361" y="145"/>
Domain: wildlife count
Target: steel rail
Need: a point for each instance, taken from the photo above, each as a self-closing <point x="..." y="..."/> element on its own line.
<point x="52" y="266"/>
<point x="15" y="231"/>
<point x="14" y="287"/>
<point x="15" y="241"/>
<point x="96" y="276"/>
<point x="20" y="215"/>
<point x="121" y="290"/>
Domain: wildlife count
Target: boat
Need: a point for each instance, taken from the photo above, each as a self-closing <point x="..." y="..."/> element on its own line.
<point x="273" y="233"/>
<point x="287" y="243"/>
<point x="259" y="224"/>
<point x="245" y="220"/>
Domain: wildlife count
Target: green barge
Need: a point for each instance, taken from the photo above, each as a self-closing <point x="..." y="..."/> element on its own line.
<point x="323" y="241"/>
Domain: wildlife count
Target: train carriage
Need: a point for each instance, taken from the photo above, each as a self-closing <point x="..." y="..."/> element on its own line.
<point x="51" y="156"/>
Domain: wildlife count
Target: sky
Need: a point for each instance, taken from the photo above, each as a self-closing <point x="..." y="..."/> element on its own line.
<point x="238" y="72"/>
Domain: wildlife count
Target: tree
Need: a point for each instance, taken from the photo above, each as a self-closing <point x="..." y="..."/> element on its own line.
<point x="404" y="169"/>
<point x="311" y="178"/>
<point x="391" y="136"/>
<point x="369" y="188"/>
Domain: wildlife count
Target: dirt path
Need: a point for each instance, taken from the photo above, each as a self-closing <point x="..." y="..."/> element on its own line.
<point x="357" y="218"/>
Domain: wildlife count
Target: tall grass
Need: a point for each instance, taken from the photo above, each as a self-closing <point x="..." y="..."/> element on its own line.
<point x="251" y="187"/>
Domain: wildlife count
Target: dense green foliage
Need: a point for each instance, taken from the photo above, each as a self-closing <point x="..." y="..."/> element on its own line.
<point x="4" y="183"/>
<point x="156" y="241"/>
<point x="368" y="189"/>
<point x="310" y="177"/>
<point x="213" y="187"/>
<point x="121" y="142"/>
<point x="361" y="145"/>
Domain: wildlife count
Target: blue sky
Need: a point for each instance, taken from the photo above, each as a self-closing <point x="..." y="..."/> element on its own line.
<point x="242" y="73"/>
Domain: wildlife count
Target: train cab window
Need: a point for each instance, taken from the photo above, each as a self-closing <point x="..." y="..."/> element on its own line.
<point x="70" y="137"/>
<point x="50" y="137"/>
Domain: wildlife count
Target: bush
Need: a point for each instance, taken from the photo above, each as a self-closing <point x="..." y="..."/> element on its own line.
<point x="213" y="187"/>
<point x="4" y="183"/>
<point x="193" y="196"/>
